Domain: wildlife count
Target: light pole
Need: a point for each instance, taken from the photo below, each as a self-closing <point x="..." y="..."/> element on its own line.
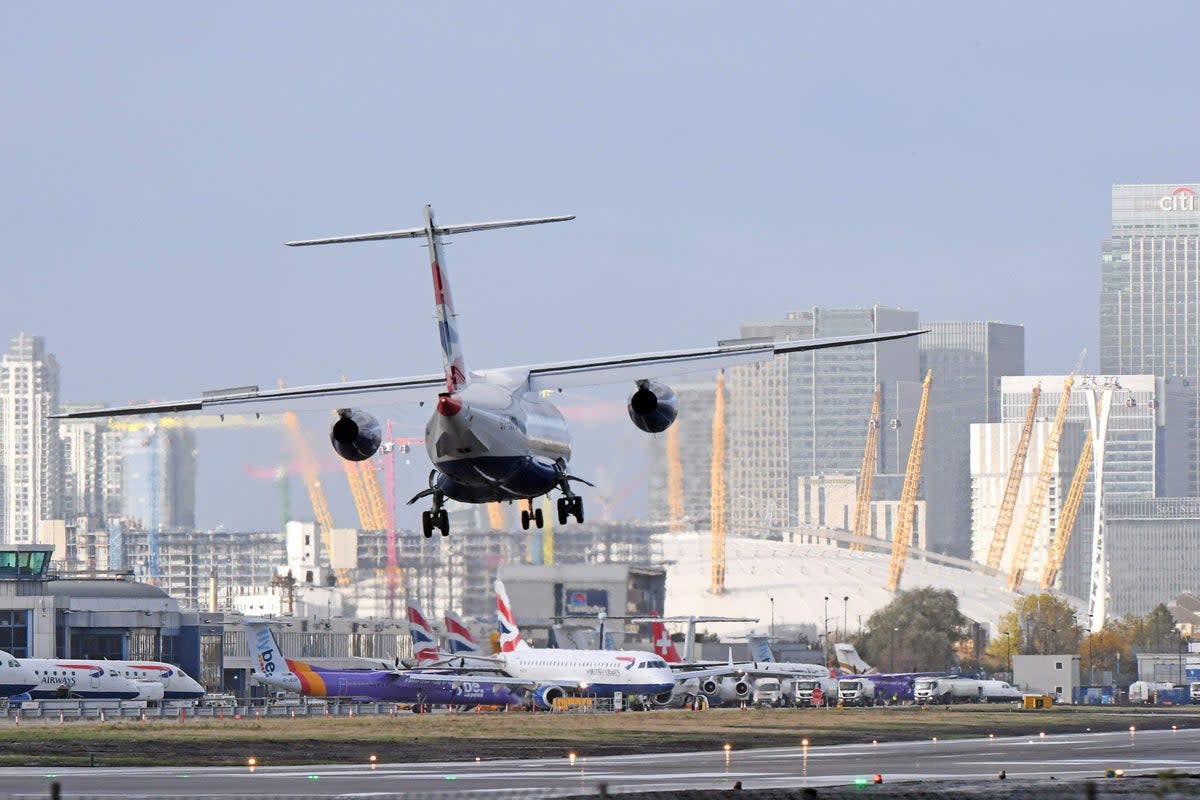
<point x="826" y="630"/>
<point x="845" y="617"/>
<point x="894" y="631"/>
<point x="1008" y="653"/>
<point x="772" y="599"/>
<point x="1091" y="656"/>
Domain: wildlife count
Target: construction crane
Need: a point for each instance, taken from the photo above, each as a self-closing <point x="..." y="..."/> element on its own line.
<point x="866" y="476"/>
<point x="1066" y="520"/>
<point x="717" y="499"/>
<point x="1009" y="503"/>
<point x="311" y="473"/>
<point x="222" y="421"/>
<point x="1041" y="488"/>
<point x="908" y="494"/>
<point x="674" y="480"/>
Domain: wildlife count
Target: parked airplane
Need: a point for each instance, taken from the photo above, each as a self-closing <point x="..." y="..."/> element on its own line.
<point x="493" y="436"/>
<point x="558" y="673"/>
<point x="763" y="663"/>
<point x="424" y="640"/>
<point x="883" y="687"/>
<point x="15" y="677"/>
<point x="459" y="639"/>
<point x="388" y="686"/>
<point x="175" y="683"/>
<point x="84" y="678"/>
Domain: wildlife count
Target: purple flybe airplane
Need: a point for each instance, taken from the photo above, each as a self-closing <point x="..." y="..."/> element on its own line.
<point x="377" y="685"/>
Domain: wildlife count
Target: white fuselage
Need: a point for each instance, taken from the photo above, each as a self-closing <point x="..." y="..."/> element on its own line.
<point x="15" y="677"/>
<point x="786" y="669"/>
<point x="176" y="684"/>
<point x="599" y="672"/>
<point x="86" y="678"/>
<point x="494" y="441"/>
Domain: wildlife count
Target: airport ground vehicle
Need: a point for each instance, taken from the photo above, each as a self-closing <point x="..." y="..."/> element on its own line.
<point x="856" y="692"/>
<point x="767" y="692"/>
<point x="1195" y="693"/>
<point x="948" y="690"/>
<point x="802" y="691"/>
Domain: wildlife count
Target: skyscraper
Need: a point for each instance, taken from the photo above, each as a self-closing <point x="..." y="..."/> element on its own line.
<point x="967" y="360"/>
<point x="30" y="451"/>
<point x="1150" y="290"/>
<point x="805" y="414"/>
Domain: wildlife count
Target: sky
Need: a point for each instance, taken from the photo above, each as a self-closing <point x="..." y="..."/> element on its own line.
<point x="726" y="163"/>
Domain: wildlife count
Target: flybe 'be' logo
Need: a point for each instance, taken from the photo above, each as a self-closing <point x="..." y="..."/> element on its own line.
<point x="266" y="656"/>
<point x="1182" y="199"/>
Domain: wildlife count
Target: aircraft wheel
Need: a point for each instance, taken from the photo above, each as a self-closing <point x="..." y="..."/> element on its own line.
<point x="537" y="517"/>
<point x="579" y="510"/>
<point x="524" y="520"/>
<point x="427" y="523"/>
<point x="443" y="522"/>
<point x="564" y="510"/>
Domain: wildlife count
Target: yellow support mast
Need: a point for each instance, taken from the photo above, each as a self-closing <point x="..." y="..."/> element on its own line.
<point x="1066" y="521"/>
<point x="1009" y="503"/>
<point x="866" y="477"/>
<point x="717" y="508"/>
<point x="908" y="494"/>
<point x="495" y="516"/>
<point x="1041" y="488"/>
<point x="674" y="480"/>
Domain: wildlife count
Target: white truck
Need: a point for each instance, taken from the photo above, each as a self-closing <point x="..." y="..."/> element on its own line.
<point x="802" y="691"/>
<point x="1145" y="691"/>
<point x="768" y="692"/>
<point x="948" y="690"/>
<point x="856" y="692"/>
<point x="1195" y="692"/>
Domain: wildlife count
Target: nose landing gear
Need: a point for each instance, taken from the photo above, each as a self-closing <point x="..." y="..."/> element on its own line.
<point x="531" y="514"/>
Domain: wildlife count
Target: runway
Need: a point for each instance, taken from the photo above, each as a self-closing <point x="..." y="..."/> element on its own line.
<point x="1064" y="756"/>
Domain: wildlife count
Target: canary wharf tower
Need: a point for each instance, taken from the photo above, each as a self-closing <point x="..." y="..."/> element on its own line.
<point x="1150" y="288"/>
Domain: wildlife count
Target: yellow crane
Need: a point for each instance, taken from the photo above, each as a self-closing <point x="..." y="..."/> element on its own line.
<point x="908" y="494"/>
<point x="717" y="499"/>
<point x="495" y="516"/>
<point x="1009" y="503"/>
<point x="311" y="473"/>
<point x="1041" y="488"/>
<point x="866" y="477"/>
<point x="1066" y="520"/>
<point x="674" y="480"/>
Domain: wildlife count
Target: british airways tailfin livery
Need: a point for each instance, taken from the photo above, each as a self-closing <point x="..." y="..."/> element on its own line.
<point x="459" y="639"/>
<point x="424" y="640"/>
<point x="493" y="436"/>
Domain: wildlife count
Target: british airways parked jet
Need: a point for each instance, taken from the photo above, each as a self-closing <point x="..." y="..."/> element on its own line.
<point x="492" y="436"/>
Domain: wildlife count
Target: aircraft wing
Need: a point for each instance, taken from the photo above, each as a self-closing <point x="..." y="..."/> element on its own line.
<point x="459" y="677"/>
<point x="583" y="372"/>
<point x="616" y="369"/>
<point x="710" y="672"/>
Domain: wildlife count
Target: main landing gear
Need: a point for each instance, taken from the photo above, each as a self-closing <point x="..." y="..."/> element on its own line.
<point x="436" y="518"/>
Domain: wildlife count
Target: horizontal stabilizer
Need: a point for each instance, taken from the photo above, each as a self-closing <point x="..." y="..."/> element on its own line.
<point x="440" y="230"/>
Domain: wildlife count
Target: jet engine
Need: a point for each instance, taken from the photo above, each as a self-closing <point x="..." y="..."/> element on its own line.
<point x="726" y="690"/>
<point x="653" y="407"/>
<point x="355" y="435"/>
<point x="544" y="696"/>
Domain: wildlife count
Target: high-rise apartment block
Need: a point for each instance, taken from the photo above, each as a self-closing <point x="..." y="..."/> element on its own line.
<point x="31" y="475"/>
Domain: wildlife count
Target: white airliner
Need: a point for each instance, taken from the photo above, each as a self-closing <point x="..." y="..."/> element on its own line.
<point x="83" y="678"/>
<point x="152" y="675"/>
<point x="15" y="677"/>
<point x="492" y="436"/>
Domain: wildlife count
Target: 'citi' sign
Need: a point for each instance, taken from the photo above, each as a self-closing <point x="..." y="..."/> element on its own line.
<point x="1182" y="199"/>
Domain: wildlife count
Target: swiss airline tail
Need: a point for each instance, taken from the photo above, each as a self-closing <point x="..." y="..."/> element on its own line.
<point x="459" y="640"/>
<point x="424" y="641"/>
<point x="510" y="634"/>
<point x="664" y="648"/>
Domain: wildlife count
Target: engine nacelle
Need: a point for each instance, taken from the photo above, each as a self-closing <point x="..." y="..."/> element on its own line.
<point x="544" y="696"/>
<point x="355" y="435"/>
<point x="653" y="407"/>
<point x="726" y="690"/>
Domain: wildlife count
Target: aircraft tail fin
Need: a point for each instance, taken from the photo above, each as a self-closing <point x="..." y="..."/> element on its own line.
<point x="510" y="634"/>
<point x="270" y="666"/>
<point x="452" y="353"/>
<point x="424" y="640"/>
<point x="664" y="648"/>
<point x="459" y="639"/>
<point x="849" y="659"/>
<point x="760" y="649"/>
